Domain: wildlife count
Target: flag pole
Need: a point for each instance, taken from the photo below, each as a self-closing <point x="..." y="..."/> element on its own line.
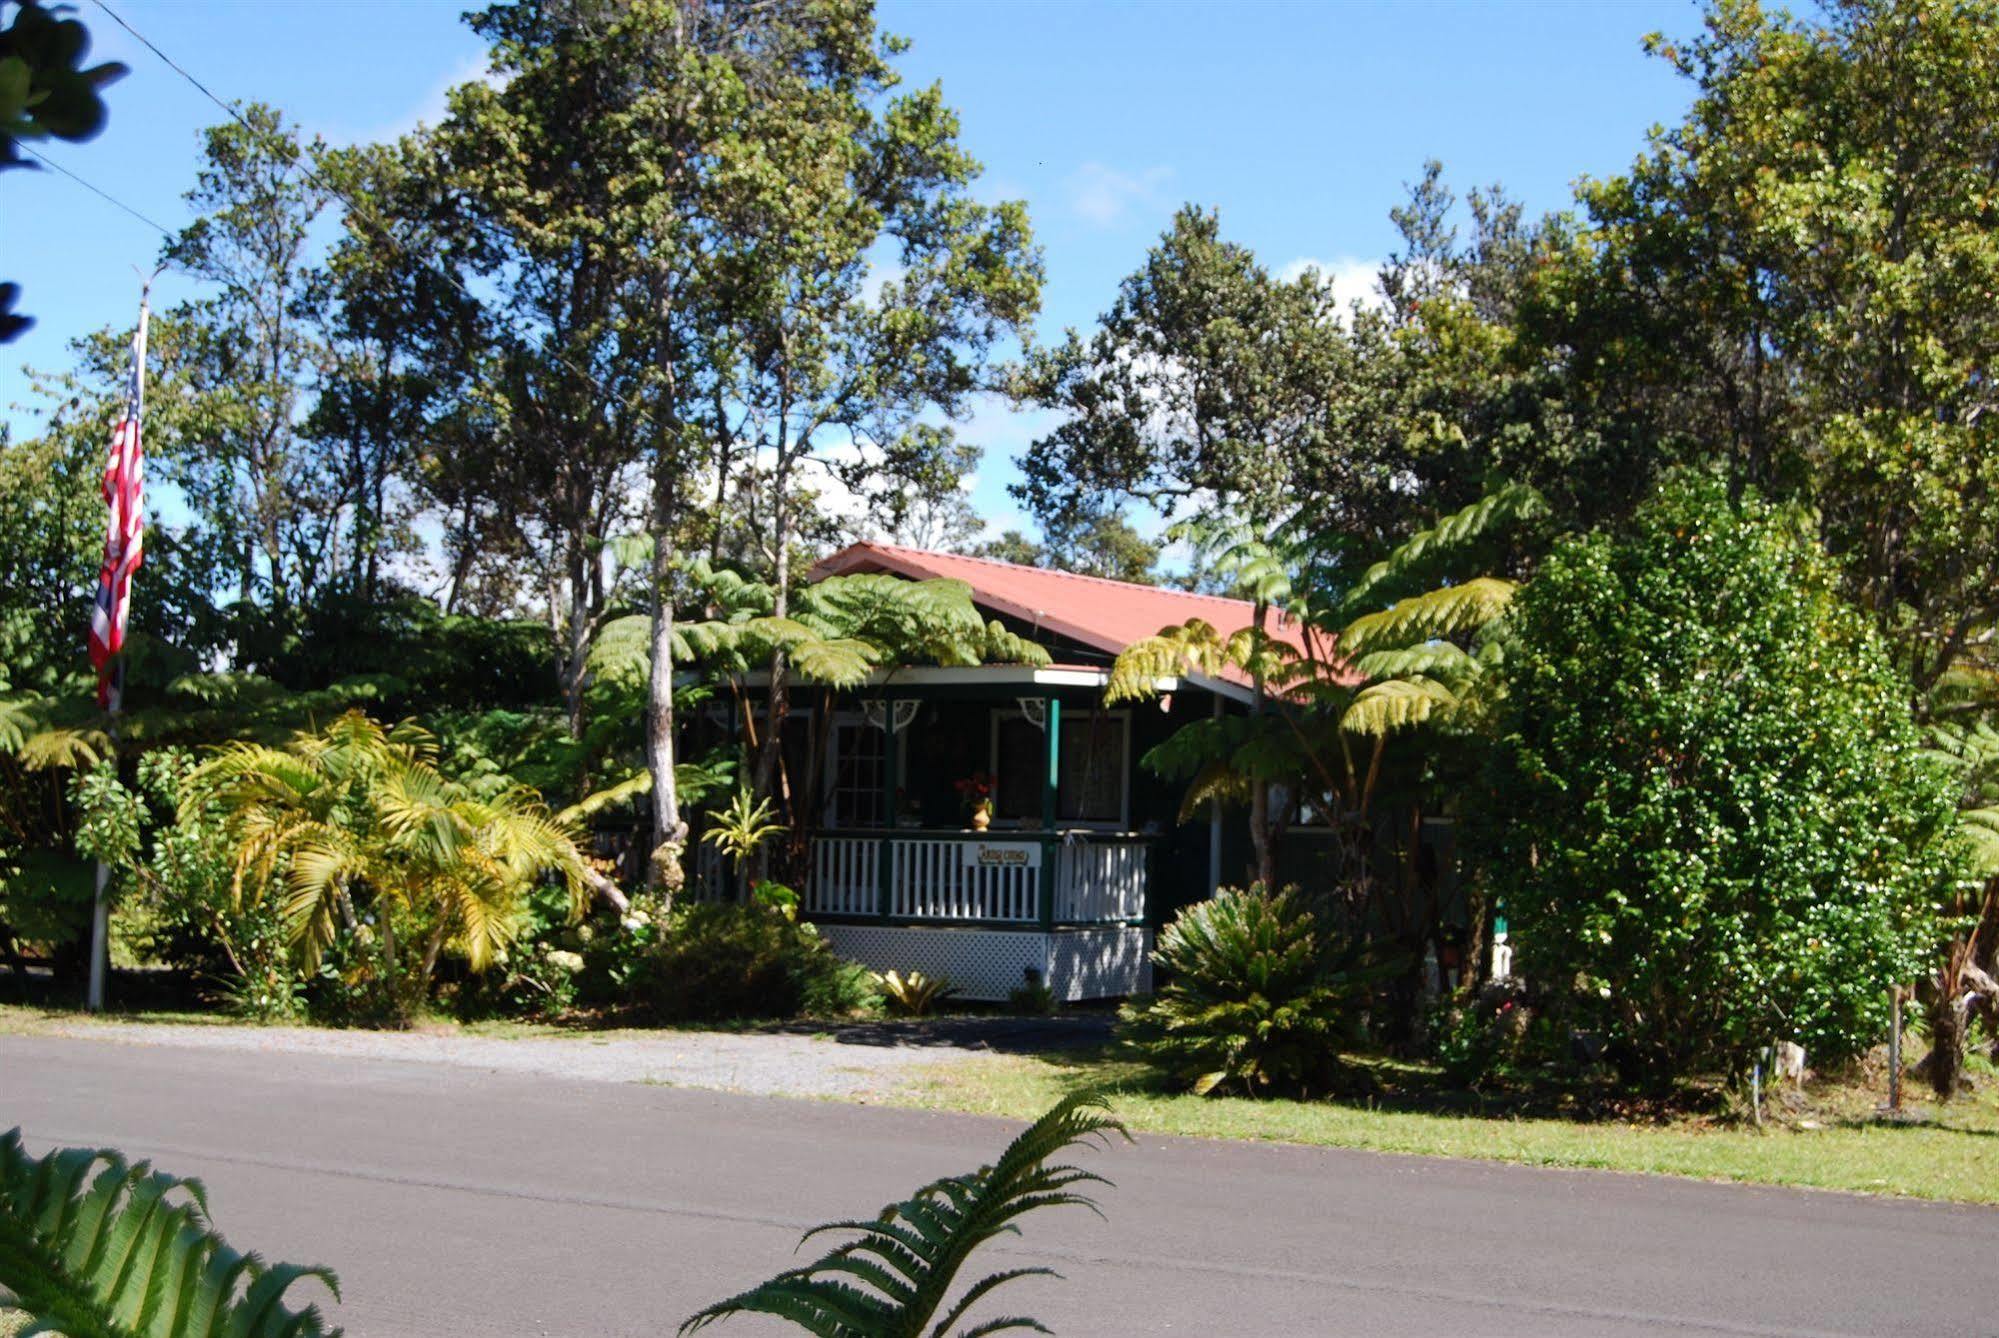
<point x="100" y="910"/>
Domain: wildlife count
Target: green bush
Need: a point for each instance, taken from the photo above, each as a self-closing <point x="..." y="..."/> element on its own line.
<point x="1707" y="809"/>
<point x="537" y="976"/>
<point x="709" y="962"/>
<point x="1258" y="998"/>
<point x="1477" y="1039"/>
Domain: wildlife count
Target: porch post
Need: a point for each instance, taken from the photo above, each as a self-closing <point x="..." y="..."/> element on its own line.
<point x="885" y="855"/>
<point x="1215" y="825"/>
<point x="1051" y="780"/>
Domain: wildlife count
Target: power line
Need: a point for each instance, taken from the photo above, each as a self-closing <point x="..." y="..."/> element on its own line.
<point x="99" y="192"/>
<point x="171" y="64"/>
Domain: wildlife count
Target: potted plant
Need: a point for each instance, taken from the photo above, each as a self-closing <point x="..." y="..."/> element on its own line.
<point x="976" y="791"/>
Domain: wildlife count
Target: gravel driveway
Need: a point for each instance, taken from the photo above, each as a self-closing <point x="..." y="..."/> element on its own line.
<point x="849" y="1061"/>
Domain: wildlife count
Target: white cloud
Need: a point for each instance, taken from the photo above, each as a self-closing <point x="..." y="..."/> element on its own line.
<point x="430" y="108"/>
<point x="1103" y="195"/>
<point x="1353" y="279"/>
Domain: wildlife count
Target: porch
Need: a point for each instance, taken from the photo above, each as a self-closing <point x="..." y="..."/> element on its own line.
<point x="1064" y="884"/>
<point x="988" y="912"/>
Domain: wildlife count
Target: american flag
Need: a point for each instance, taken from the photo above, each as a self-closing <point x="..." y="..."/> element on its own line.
<point x="124" y="532"/>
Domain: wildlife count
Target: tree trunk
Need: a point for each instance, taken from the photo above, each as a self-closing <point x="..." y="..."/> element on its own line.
<point x="664" y="873"/>
<point x="1944" y="1065"/>
<point x="1259" y="792"/>
<point x="576" y="635"/>
<point x="778" y="701"/>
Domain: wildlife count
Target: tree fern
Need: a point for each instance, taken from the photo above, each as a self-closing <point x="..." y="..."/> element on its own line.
<point x="1451" y="610"/>
<point x="91" y="1247"/>
<point x="894" y="1277"/>
<point x="1424" y="559"/>
<point x="1396" y="703"/>
<point x="1250" y="562"/>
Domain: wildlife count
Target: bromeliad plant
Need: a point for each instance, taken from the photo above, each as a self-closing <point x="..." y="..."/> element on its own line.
<point x="1259" y="999"/>
<point x="898" y="1272"/>
<point x="913" y="995"/>
<point x="94" y="1247"/>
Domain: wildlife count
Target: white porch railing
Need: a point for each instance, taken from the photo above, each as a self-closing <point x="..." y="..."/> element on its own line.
<point x="1098" y="881"/>
<point x="944" y="877"/>
<point x="846" y="875"/>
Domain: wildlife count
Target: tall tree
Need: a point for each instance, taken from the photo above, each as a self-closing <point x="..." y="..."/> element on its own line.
<point x="1203" y="389"/>
<point x="868" y="289"/>
<point x="254" y="353"/>
<point x="528" y="179"/>
<point x="1103" y="545"/>
<point x="1798" y="275"/>
<point x="397" y="398"/>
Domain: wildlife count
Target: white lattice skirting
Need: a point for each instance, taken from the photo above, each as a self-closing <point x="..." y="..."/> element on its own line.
<point x="988" y="964"/>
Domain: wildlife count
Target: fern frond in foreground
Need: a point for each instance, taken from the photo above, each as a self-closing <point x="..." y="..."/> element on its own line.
<point x="895" y="1275"/>
<point x="93" y="1247"/>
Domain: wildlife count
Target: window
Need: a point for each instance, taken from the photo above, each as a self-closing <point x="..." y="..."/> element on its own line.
<point x="854" y="774"/>
<point x="1095" y="759"/>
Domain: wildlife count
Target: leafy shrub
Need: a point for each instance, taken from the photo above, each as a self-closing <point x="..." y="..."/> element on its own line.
<point x="711" y="962"/>
<point x="1708" y="807"/>
<point x="536" y="976"/>
<point x="389" y="862"/>
<point x="1031" y="997"/>
<point x="1258" y="998"/>
<point x="195" y="921"/>
<point x="1474" y="1040"/>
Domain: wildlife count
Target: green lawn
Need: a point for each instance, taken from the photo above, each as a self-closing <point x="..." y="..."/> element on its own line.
<point x="1952" y="1154"/>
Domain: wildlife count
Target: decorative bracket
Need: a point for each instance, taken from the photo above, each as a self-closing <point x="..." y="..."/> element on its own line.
<point x="876" y="713"/>
<point x="1036" y="711"/>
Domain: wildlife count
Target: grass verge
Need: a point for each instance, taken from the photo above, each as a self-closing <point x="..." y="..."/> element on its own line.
<point x="1836" y="1141"/>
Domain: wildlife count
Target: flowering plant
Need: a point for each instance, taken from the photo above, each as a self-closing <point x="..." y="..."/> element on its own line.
<point x="976" y="791"/>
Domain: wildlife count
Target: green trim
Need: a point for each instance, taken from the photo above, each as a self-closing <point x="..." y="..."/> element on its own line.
<point x="884" y="856"/>
<point x="1051" y="724"/>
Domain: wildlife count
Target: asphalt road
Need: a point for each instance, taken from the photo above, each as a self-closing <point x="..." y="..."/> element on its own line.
<point x="454" y="1201"/>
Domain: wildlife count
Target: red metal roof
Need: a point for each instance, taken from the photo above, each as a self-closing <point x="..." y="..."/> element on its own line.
<point x="1103" y="614"/>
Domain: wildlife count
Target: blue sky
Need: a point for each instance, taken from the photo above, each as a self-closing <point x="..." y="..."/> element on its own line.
<point x="1299" y="122"/>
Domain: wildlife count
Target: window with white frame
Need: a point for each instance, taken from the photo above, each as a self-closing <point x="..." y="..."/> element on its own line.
<point x="855" y="760"/>
<point x="1095" y="765"/>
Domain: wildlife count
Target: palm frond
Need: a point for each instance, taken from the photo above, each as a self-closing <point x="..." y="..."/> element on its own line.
<point x="1240" y="555"/>
<point x="1004" y="647"/>
<point x="894" y="1277"/>
<point x="624" y="791"/>
<point x="844" y="662"/>
<point x="1192" y="647"/>
<point x="1980" y="827"/>
<point x="623" y="649"/>
<point x="90" y="1245"/>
